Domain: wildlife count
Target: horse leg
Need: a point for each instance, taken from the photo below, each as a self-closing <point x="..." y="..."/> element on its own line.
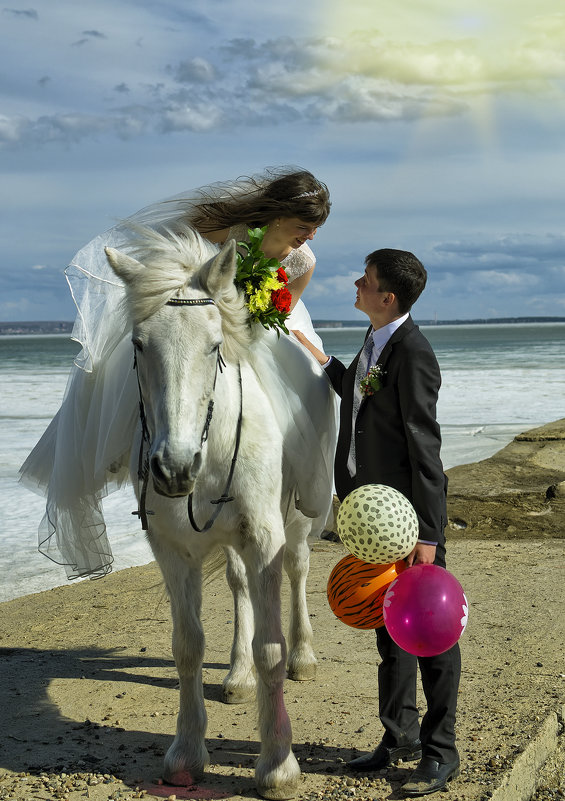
<point x="277" y="771"/>
<point x="301" y="659"/>
<point x="187" y="757"/>
<point x="239" y="684"/>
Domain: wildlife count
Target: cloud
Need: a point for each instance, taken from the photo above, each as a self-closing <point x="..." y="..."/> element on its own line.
<point x="520" y="251"/>
<point x="38" y="277"/>
<point x="497" y="279"/>
<point x="190" y="116"/>
<point x="464" y="65"/>
<point x="475" y="276"/>
<point x="354" y="78"/>
<point x="12" y="129"/>
<point x="523" y="272"/>
<point x="329" y="287"/>
<point x="88" y="36"/>
<point x="195" y="71"/>
<point x="28" y="13"/>
<point x="178" y="13"/>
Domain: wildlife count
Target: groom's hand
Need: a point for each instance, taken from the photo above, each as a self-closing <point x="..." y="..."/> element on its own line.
<point x="318" y="354"/>
<point x="422" y="554"/>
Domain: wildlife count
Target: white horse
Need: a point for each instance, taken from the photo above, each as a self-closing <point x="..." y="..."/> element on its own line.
<point x="191" y="337"/>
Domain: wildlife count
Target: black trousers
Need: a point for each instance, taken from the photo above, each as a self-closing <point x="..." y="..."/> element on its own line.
<point x="397" y="675"/>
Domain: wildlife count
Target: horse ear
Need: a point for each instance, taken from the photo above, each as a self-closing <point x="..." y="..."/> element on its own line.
<point x="220" y="271"/>
<point x="124" y="266"/>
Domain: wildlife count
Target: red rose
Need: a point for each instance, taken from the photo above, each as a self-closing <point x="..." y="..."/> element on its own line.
<point x="281" y="300"/>
<point x="282" y="276"/>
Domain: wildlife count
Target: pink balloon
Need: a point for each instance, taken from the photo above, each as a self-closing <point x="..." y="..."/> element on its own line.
<point x="425" y="610"/>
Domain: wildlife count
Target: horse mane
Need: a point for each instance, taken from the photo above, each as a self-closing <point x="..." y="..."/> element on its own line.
<point x="173" y="260"/>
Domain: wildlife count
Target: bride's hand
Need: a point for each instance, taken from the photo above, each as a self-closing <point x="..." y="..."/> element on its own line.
<point x="318" y="354"/>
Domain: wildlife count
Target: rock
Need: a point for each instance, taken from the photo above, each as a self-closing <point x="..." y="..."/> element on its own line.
<point x="519" y="493"/>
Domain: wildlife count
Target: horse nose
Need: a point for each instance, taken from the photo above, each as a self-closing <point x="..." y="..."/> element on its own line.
<point x="174" y="478"/>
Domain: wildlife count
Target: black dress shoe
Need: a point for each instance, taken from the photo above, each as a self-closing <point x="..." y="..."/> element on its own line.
<point x="383" y="756"/>
<point x="430" y="776"/>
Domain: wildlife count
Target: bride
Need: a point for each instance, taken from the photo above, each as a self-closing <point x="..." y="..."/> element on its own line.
<point x="84" y="453"/>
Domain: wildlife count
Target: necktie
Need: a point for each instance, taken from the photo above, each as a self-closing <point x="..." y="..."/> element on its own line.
<point x="360" y="373"/>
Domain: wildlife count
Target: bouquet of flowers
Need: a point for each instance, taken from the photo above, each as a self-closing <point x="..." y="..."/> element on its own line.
<point x="263" y="282"/>
<point x="372" y="381"/>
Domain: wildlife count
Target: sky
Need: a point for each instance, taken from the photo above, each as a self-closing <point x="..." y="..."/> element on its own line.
<point x="438" y="126"/>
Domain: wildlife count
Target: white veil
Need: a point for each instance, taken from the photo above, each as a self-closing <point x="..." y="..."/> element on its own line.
<point x="84" y="453"/>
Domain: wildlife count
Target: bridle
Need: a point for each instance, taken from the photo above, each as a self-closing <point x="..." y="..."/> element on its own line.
<point x="143" y="460"/>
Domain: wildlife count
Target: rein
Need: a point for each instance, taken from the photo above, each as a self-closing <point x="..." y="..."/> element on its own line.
<point x="224" y="497"/>
<point x="143" y="463"/>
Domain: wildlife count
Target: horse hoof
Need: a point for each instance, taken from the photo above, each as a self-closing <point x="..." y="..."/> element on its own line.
<point x="278" y="793"/>
<point x="183" y="778"/>
<point x="183" y="767"/>
<point x="238" y="695"/>
<point x="302" y="673"/>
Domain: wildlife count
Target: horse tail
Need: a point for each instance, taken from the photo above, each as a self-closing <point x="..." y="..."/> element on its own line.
<point x="214" y="562"/>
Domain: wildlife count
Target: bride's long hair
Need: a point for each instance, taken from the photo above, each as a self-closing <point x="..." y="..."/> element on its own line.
<point x="259" y="199"/>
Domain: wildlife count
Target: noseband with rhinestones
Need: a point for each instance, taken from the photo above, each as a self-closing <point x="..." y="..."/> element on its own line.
<point x="143" y="463"/>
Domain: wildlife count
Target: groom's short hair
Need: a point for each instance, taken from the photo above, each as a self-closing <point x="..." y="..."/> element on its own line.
<point x="400" y="272"/>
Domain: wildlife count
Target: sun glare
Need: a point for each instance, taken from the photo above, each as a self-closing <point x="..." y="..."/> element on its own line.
<point x="440" y="57"/>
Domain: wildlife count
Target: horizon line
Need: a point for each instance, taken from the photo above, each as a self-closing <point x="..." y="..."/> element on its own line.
<point x="66" y="326"/>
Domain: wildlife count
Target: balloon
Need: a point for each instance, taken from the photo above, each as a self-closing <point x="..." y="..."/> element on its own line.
<point x="377" y="524"/>
<point x="425" y="610"/>
<point x="356" y="591"/>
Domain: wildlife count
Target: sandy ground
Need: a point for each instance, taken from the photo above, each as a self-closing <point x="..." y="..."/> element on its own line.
<point x="88" y="696"/>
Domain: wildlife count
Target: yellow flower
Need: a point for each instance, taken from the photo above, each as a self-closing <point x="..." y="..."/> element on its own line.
<point x="259" y="301"/>
<point x="272" y="284"/>
<point x="263" y="298"/>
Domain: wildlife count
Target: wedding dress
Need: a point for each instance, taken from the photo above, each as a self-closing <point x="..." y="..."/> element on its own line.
<point x="84" y="453"/>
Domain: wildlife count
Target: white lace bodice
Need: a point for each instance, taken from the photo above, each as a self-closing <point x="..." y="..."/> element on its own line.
<point x="298" y="261"/>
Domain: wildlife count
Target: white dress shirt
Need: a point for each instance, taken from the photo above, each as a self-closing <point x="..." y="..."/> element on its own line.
<point x="381" y="336"/>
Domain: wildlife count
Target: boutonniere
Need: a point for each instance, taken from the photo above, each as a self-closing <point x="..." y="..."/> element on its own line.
<point x="372" y="381"/>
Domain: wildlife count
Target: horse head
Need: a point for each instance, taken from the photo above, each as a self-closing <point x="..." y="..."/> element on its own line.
<point x="173" y="293"/>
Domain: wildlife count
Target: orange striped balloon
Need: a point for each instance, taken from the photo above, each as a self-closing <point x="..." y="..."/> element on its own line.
<point x="356" y="591"/>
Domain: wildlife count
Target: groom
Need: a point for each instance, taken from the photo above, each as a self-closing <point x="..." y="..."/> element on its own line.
<point x="391" y="436"/>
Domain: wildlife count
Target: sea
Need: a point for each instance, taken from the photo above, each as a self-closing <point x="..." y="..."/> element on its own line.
<point x="498" y="381"/>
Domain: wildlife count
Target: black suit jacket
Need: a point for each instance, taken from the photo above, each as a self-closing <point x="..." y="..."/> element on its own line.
<point x="397" y="437"/>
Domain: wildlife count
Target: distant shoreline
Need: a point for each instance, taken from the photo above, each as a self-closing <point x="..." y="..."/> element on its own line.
<point x="477" y="321"/>
<point x="36" y="327"/>
<point x="65" y="327"/>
